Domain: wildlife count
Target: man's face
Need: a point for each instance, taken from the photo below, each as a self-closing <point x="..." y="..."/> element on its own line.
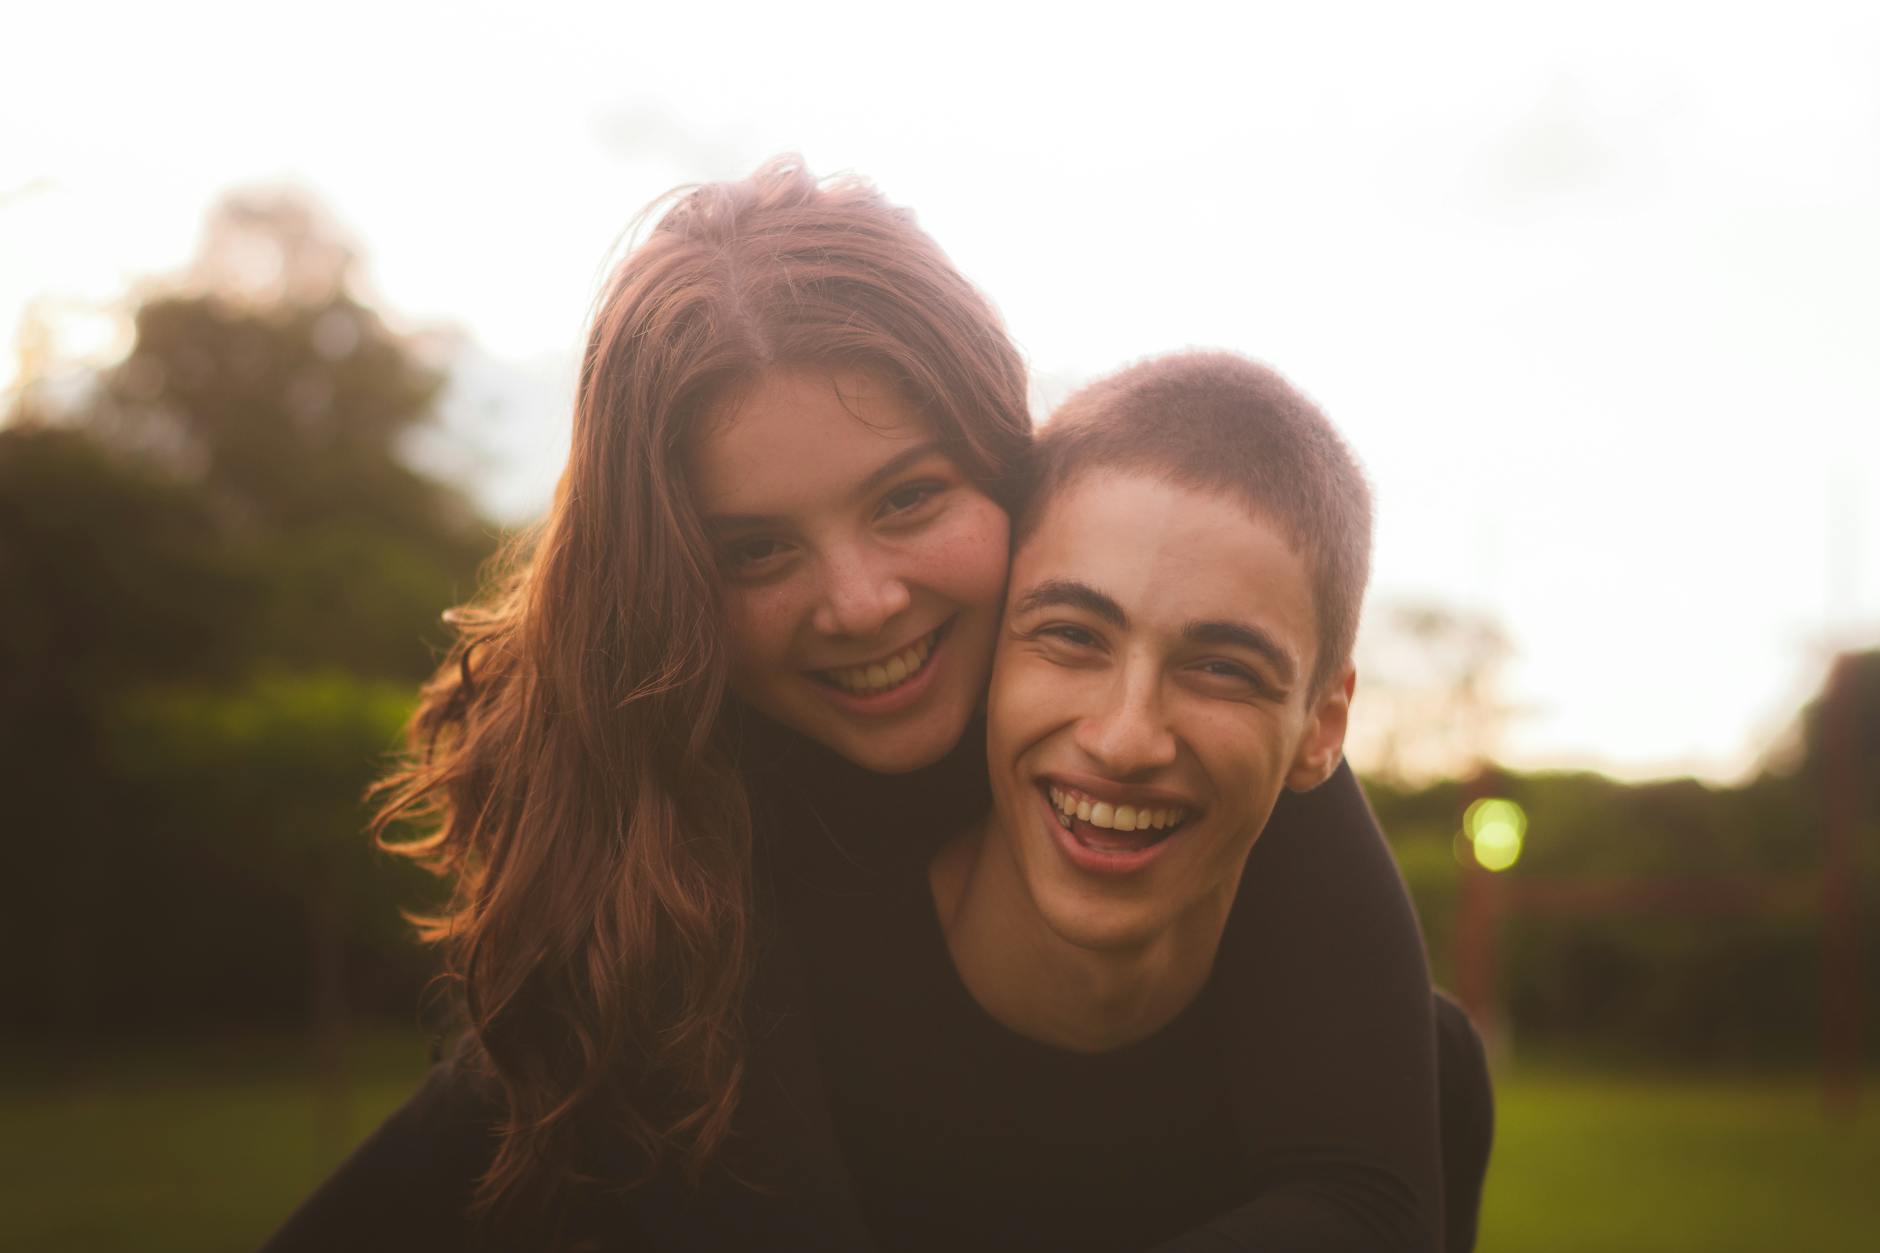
<point x="1150" y="697"/>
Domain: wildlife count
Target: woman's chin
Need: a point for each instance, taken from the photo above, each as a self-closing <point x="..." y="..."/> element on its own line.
<point x="894" y="731"/>
<point x="897" y="750"/>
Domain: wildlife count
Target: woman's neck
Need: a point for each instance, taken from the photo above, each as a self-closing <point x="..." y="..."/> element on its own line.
<point x="1040" y="985"/>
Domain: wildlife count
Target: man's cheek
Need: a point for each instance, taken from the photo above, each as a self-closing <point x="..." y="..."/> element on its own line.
<point x="1027" y="695"/>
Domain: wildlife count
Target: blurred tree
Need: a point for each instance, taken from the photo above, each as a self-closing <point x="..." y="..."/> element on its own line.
<point x="227" y="508"/>
<point x="286" y="402"/>
<point x="1809" y="750"/>
<point x="1735" y="975"/>
<point x="113" y="573"/>
<point x="259" y="787"/>
<point x="1429" y="703"/>
<point x="268" y="247"/>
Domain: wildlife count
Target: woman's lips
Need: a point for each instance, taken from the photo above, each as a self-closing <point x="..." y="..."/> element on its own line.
<point x="884" y="674"/>
<point x="873" y="690"/>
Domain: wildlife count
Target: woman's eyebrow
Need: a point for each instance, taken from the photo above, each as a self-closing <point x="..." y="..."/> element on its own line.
<point x="740" y="521"/>
<point x="868" y="486"/>
<point x="1243" y="635"/>
<point x="896" y="464"/>
<point x="1075" y="595"/>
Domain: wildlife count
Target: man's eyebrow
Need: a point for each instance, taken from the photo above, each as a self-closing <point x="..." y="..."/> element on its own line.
<point x="1075" y="595"/>
<point x="1243" y="635"/>
<point x="872" y="483"/>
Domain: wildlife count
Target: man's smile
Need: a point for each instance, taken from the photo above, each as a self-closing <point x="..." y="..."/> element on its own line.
<point x="1074" y="804"/>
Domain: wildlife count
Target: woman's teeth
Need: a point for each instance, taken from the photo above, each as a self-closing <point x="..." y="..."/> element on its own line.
<point x="1111" y="817"/>
<point x="882" y="676"/>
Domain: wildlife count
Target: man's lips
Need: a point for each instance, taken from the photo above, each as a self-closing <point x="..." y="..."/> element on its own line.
<point x="1112" y="808"/>
<point x="1089" y="825"/>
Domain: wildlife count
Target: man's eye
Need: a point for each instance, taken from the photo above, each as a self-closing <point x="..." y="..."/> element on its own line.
<point x="1075" y="636"/>
<point x="909" y="497"/>
<point x="1234" y="673"/>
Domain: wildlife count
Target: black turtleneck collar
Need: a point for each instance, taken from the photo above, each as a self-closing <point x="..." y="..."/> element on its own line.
<point x="811" y="805"/>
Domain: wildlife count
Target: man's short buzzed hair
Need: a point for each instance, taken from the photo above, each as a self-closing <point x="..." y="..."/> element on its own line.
<point x="1215" y="421"/>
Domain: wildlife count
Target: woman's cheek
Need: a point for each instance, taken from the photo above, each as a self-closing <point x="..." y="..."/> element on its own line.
<point x="976" y="555"/>
<point x="760" y="631"/>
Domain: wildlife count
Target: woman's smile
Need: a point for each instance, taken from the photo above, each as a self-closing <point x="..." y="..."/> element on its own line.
<point x="862" y="571"/>
<point x="886" y="673"/>
<point x="874" y="691"/>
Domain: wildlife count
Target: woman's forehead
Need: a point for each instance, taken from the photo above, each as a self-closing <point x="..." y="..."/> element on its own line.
<point x="797" y="435"/>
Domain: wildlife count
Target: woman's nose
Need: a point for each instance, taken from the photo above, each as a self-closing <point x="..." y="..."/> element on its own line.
<point x="861" y="594"/>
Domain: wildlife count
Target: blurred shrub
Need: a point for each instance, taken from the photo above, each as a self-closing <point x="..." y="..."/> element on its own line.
<point x="256" y="789"/>
<point x="223" y="583"/>
<point x="1704" y="981"/>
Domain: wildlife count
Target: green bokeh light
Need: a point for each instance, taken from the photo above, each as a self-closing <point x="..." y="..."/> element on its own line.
<point x="1496" y="827"/>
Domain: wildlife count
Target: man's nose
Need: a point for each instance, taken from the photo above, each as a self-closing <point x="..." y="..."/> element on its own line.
<point x="861" y="594"/>
<point x="1129" y="734"/>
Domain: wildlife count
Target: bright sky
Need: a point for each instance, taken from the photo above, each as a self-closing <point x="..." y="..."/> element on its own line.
<point x="1596" y="295"/>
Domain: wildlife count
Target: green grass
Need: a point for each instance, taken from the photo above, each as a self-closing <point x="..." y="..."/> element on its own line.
<point x="1674" y="1164"/>
<point x="202" y="1148"/>
<point x="209" y="1147"/>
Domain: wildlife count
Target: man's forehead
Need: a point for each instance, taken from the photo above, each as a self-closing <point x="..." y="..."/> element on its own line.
<point x="1107" y="482"/>
<point x="1118" y="511"/>
<point x="1165" y="551"/>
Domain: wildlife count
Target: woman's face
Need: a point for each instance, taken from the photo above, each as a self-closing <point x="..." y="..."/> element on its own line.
<point x="862" y="571"/>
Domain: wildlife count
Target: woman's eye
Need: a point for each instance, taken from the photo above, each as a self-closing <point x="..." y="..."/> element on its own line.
<point x="749" y="553"/>
<point x="909" y="497"/>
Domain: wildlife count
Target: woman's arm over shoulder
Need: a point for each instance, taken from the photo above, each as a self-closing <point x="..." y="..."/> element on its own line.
<point x="1327" y="1013"/>
<point x="1468" y="1102"/>
<point x="408" y="1185"/>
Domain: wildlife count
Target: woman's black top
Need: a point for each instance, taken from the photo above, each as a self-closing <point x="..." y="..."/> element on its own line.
<point x="1321" y="989"/>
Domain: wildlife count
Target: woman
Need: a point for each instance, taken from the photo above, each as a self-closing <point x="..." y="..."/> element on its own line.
<point x="731" y="685"/>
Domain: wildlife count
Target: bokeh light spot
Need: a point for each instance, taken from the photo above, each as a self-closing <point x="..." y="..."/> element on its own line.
<point x="1496" y="827"/>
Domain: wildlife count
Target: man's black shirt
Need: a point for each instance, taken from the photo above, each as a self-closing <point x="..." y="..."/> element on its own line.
<point x="961" y="1134"/>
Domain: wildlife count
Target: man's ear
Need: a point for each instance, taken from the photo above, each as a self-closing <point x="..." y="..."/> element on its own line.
<point x="1323" y="744"/>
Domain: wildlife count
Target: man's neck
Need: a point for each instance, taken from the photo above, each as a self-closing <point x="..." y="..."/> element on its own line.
<point x="1041" y="986"/>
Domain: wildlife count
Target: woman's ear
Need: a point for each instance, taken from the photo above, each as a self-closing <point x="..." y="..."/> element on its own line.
<point x="1322" y="745"/>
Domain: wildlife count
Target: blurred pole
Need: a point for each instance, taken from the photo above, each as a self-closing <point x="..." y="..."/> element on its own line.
<point x="1477" y="921"/>
<point x="1476" y="924"/>
<point x="1840" y="984"/>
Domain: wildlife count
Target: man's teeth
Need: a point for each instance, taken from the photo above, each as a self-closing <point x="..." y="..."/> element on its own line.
<point x="1111" y="817"/>
<point x="882" y="675"/>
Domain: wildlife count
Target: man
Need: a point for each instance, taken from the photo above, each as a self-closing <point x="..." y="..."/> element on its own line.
<point x="1175" y="651"/>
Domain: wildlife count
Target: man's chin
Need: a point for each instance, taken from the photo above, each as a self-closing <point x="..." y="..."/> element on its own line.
<point x="1095" y="927"/>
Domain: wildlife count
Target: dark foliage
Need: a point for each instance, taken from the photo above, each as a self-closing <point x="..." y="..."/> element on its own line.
<point x="223" y="583"/>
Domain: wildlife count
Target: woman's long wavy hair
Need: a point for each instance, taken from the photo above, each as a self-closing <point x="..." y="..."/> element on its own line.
<point x="566" y="766"/>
